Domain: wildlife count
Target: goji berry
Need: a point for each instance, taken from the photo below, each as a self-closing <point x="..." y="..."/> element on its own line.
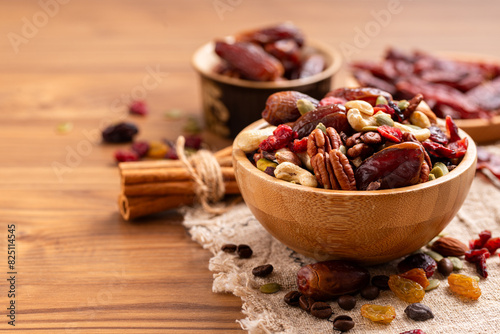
<point x="391" y="133"/>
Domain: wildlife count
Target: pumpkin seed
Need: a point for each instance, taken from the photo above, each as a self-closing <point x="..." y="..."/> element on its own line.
<point x="432" y="177"/>
<point x="457" y="263"/>
<point x="322" y="127"/>
<point x="381" y="100"/>
<point x="442" y="166"/>
<point x="476" y="278"/>
<point x="403" y="104"/>
<point x="433" y="283"/>
<point x="305" y="106"/>
<point x="384" y="119"/>
<point x="436" y="256"/>
<point x="437" y="172"/>
<point x="270" y="288"/>
<point x="369" y="128"/>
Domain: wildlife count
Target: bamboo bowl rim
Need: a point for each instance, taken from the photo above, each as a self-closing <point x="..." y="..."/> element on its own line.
<point x="467" y="162"/>
<point x="204" y="59"/>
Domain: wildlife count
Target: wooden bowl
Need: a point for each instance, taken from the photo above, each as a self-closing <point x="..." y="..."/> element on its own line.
<point x="368" y="227"/>
<point x="230" y="104"/>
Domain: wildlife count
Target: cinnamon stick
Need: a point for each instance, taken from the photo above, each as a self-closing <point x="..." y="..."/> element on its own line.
<point x="149" y="175"/>
<point x="171" y="188"/>
<point x="138" y="206"/>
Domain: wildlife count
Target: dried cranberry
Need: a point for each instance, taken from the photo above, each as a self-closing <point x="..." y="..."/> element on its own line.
<point x="438" y="150"/>
<point x="280" y="138"/>
<point x="138" y="108"/>
<point x="122" y="155"/>
<point x="141" y="148"/>
<point x="481" y="265"/>
<point x="492" y="245"/>
<point x="299" y="145"/>
<point x="452" y="129"/>
<point x="391" y="133"/>
<point x="437" y="135"/>
<point x="484" y="236"/>
<point x="119" y="133"/>
<point x="413" y="331"/>
<point x="418" y="260"/>
<point x="474" y="255"/>
<point x="459" y="147"/>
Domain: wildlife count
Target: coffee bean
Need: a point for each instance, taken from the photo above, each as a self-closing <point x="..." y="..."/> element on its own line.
<point x="370" y="292"/>
<point x="445" y="267"/>
<point x="343" y="323"/>
<point x="321" y="310"/>
<point x="381" y="282"/>
<point x="305" y="303"/>
<point x="262" y="271"/>
<point x="228" y="248"/>
<point x="244" y="251"/>
<point x="292" y="298"/>
<point x="419" y="312"/>
<point x="346" y="302"/>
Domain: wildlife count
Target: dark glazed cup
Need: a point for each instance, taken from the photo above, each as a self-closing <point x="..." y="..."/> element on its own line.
<point x="230" y="104"/>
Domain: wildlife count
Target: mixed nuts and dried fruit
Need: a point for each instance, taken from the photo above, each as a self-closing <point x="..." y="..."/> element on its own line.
<point x="272" y="53"/>
<point x="322" y="282"/>
<point x="353" y="139"/>
<point x="460" y="89"/>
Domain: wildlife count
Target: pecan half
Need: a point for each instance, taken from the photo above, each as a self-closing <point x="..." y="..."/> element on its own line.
<point x="323" y="171"/>
<point x="360" y="150"/>
<point x="343" y="170"/>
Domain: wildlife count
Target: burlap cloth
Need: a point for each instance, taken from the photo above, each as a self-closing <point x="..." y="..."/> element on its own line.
<point x="268" y="313"/>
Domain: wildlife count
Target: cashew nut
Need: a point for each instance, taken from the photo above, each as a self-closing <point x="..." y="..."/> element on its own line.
<point x="358" y="120"/>
<point x="420" y="134"/>
<point x="420" y="119"/>
<point x="363" y="106"/>
<point x="424" y="107"/>
<point x="248" y="141"/>
<point x="293" y="173"/>
<point x="306" y="160"/>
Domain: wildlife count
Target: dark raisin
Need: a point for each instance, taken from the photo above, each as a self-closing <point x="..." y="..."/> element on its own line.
<point x="419" y="312"/>
<point x="120" y="133"/>
<point x="381" y="282"/>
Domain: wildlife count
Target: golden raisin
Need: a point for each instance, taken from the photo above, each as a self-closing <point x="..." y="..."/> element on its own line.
<point x="417" y="275"/>
<point x="406" y="289"/>
<point x="378" y="313"/>
<point x="464" y="285"/>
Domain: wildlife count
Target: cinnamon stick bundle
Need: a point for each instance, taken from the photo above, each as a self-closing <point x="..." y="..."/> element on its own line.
<point x="149" y="187"/>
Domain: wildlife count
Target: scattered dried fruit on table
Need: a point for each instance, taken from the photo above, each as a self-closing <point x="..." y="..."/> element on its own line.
<point x="417" y="275"/>
<point x="418" y="260"/>
<point x="406" y="289"/>
<point x="419" y="312"/>
<point x="138" y="108"/>
<point x="464" y="286"/>
<point x="378" y="313"/>
<point x="448" y="246"/>
<point x="327" y="279"/>
<point x="124" y="155"/>
<point x="120" y="133"/>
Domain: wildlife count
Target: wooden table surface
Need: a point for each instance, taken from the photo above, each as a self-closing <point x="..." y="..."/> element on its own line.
<point x="80" y="267"/>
